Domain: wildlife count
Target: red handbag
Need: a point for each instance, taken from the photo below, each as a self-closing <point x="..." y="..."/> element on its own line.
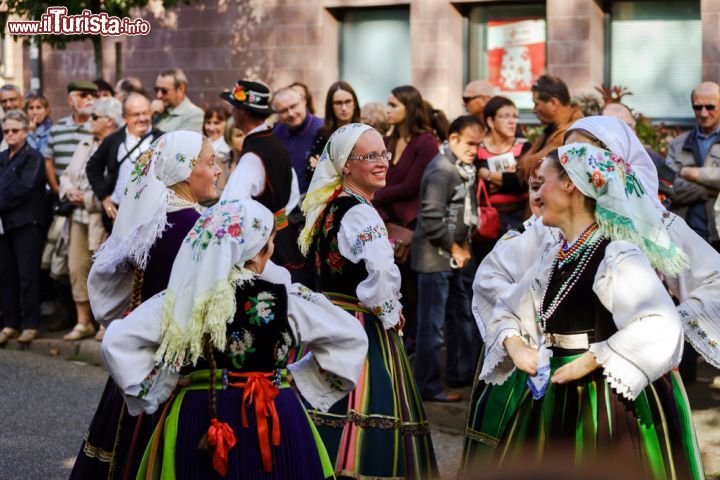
<point x="488" y="217"/>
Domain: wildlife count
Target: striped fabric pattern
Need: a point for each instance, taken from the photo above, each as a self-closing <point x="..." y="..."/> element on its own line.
<point x="380" y="430"/>
<point x="63" y="138"/>
<point x="585" y="422"/>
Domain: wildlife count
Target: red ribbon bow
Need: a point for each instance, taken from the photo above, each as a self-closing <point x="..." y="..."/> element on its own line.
<point x="221" y="438"/>
<point x="260" y="390"/>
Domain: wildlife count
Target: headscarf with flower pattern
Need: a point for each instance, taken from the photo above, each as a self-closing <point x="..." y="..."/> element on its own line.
<point x="142" y="216"/>
<point x="200" y="298"/>
<point x="328" y="177"/>
<point x="625" y="209"/>
<point x="622" y="141"/>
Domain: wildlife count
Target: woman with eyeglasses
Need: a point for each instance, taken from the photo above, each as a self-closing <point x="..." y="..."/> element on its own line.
<point x="498" y="155"/>
<point x="37" y="108"/>
<point x="22" y="213"/>
<point x="341" y="107"/>
<point x="380" y="429"/>
<point x="87" y="232"/>
<point x="412" y="145"/>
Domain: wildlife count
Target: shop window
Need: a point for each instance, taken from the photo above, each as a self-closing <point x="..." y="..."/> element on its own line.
<point x="506" y="46"/>
<point x="375" y="51"/>
<point x="656" y="52"/>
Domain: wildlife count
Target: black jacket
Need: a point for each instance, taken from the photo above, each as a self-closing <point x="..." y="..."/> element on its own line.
<point x="103" y="167"/>
<point x="22" y="188"/>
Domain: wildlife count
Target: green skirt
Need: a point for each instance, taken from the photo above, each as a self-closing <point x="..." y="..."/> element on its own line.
<point x="584" y="423"/>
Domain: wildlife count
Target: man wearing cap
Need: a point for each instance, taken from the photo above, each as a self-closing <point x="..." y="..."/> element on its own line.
<point x="172" y="109"/>
<point x="69" y="131"/>
<point x="475" y="97"/>
<point x="264" y="171"/>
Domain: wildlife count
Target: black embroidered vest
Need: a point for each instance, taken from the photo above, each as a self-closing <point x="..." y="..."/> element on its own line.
<point x="333" y="272"/>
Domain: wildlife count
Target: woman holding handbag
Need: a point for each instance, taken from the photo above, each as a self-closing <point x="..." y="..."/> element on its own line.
<point x="413" y="146"/>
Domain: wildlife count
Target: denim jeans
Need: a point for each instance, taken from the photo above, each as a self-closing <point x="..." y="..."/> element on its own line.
<point x="443" y="301"/>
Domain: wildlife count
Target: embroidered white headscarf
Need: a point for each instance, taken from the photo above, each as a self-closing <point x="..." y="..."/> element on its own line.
<point x="328" y="177"/>
<point x="623" y="142"/>
<point x="624" y="208"/>
<point x="200" y="298"/>
<point x="142" y="216"/>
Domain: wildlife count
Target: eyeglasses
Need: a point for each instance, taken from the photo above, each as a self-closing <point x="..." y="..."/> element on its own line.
<point x="284" y="111"/>
<point x="343" y="103"/>
<point x="138" y="114"/>
<point x="7" y="131"/>
<point x="84" y="94"/>
<point x="162" y="90"/>
<point x="467" y="100"/>
<point x="94" y="116"/>
<point x="373" y="157"/>
<point x="709" y="108"/>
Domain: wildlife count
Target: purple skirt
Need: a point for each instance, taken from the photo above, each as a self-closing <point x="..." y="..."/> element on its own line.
<point x="297" y="457"/>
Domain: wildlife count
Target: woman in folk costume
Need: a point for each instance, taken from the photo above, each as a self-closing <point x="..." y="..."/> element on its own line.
<point x="161" y="204"/>
<point x="592" y="330"/>
<point x="229" y="330"/>
<point x="380" y="429"/>
<point x="697" y="287"/>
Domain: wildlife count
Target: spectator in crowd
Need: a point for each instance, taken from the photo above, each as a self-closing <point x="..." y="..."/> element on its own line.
<point x="10" y="99"/>
<point x="69" y="131"/>
<point x="666" y="175"/>
<point x="498" y="155"/>
<point x="440" y="250"/>
<point x="341" y="107"/>
<point x="554" y="110"/>
<point x="109" y="168"/>
<point x="214" y="128"/>
<point x="296" y="130"/>
<point x="172" y="109"/>
<point x="438" y="122"/>
<point x="303" y="90"/>
<point x="475" y="96"/>
<point x="22" y="214"/>
<point x="374" y="114"/>
<point x="37" y="108"/>
<point x="412" y="146"/>
<point x="695" y="158"/>
<point x="86" y="228"/>
<point x="126" y="86"/>
<point x="104" y="88"/>
<point x="234" y="137"/>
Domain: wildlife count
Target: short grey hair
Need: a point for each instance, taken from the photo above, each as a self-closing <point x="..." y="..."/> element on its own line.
<point x="130" y="97"/>
<point x="109" y="107"/>
<point x="179" y="77"/>
<point x="9" y="87"/>
<point x="18" y="116"/>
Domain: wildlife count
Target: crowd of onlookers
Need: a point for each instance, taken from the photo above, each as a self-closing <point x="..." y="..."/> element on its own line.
<point x="452" y="190"/>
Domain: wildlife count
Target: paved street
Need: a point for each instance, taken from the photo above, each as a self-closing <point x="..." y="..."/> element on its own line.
<point x="47" y="403"/>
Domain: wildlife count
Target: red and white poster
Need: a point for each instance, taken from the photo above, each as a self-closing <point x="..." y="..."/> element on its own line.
<point x="516" y="57"/>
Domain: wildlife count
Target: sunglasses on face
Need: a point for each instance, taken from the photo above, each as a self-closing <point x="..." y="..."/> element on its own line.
<point x="162" y="90"/>
<point x="95" y="116"/>
<point x="467" y="100"/>
<point x="86" y="94"/>
<point x="709" y="108"/>
<point x="7" y="131"/>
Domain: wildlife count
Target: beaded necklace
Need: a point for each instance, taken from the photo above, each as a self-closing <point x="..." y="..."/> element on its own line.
<point x="356" y="195"/>
<point x="542" y="315"/>
<point x="568" y="253"/>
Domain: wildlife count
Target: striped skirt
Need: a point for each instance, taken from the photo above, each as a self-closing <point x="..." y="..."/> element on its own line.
<point x="379" y="430"/>
<point x="583" y="423"/>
